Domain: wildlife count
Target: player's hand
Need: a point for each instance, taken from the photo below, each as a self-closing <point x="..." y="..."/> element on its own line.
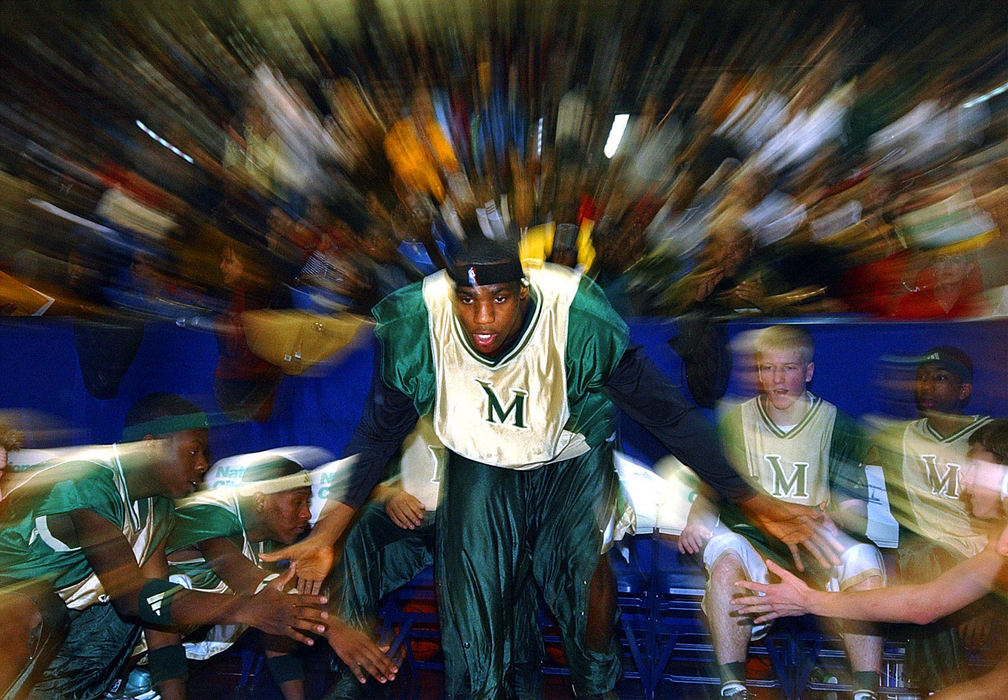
<point x="274" y="611"/>
<point x="975" y="631"/>
<point x="312" y="559"/>
<point x="406" y="510"/>
<point x="748" y="292"/>
<point x="359" y="652"/>
<point x="795" y="525"/>
<point x="693" y="538"/>
<point x="769" y="601"/>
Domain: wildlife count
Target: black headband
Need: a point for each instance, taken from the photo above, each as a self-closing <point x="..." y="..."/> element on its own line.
<point x="482" y="274"/>
<point x="165" y="425"/>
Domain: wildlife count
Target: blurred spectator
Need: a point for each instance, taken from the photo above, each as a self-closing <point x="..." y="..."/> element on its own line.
<point x="250" y="151"/>
<point x="948" y="287"/>
<point x="420" y="153"/>
<point x="616" y="250"/>
<point x="730" y="276"/>
<point x="876" y="263"/>
<point x="244" y="384"/>
<point x="386" y="269"/>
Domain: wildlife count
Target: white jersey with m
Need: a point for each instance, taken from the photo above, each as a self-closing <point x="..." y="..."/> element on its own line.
<point x="931" y="467"/>
<point x="511" y="411"/>
<point x="789" y="464"/>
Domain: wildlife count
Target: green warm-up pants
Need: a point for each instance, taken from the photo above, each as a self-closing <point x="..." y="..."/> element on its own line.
<point x="498" y="531"/>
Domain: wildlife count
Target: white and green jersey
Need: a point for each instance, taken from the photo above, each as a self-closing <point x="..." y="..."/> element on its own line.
<point x="930" y="465"/>
<point x="206" y="516"/>
<point x="94" y="481"/>
<point x="421" y="465"/>
<point x="541" y="402"/>
<point x="813" y="463"/>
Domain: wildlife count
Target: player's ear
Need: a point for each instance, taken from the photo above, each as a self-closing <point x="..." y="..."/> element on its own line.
<point x="965" y="391"/>
<point x="809" y="371"/>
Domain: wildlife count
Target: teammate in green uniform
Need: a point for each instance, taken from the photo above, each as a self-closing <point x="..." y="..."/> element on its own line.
<point x="216" y="544"/>
<point x="923" y="460"/>
<point x="215" y="547"/>
<point x="797" y="448"/>
<point x="391" y="541"/>
<point x="984" y="491"/>
<point x="519" y="375"/>
<point x="82" y="550"/>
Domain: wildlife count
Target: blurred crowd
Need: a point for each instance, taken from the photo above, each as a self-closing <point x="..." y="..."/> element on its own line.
<point x="192" y="162"/>
<point x="199" y="163"/>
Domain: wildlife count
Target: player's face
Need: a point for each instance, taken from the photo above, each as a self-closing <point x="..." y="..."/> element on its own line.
<point x="491" y="315"/>
<point x="937" y="390"/>
<point x="783" y="375"/>
<point x="187" y="462"/>
<point x="981" y="484"/>
<point x="286" y="514"/>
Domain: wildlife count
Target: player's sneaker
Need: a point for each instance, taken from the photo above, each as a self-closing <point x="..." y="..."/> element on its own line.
<point x="736" y="692"/>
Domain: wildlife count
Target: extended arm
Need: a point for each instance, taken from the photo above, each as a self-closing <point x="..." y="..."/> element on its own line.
<point x="170" y="678"/>
<point x="920" y="603"/>
<point x="389" y="416"/>
<point x="646" y="394"/>
<point x="112" y="560"/>
<point x="241" y="575"/>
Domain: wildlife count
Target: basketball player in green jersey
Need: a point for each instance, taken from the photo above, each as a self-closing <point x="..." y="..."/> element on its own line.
<point x="215" y="547"/>
<point x="82" y="547"/>
<point x="520" y="374"/>
<point x="797" y="448"/>
<point x="984" y="490"/>
<point x="923" y="461"/>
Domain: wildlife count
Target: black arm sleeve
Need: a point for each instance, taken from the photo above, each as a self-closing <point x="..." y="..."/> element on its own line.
<point x="389" y="416"/>
<point x="645" y="394"/>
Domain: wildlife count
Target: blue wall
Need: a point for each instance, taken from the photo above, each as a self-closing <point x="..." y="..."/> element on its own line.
<point x="863" y="366"/>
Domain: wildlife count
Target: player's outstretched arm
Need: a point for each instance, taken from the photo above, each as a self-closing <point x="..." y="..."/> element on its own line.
<point x="917" y="603"/>
<point x="277" y="612"/>
<point x="159" y="603"/>
<point x="165" y="655"/>
<point x="229" y="563"/>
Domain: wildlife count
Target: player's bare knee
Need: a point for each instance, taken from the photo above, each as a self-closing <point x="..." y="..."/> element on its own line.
<point x="869" y="583"/>
<point x="727" y="570"/>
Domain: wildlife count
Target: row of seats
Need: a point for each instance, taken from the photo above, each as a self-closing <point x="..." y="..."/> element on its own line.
<point x="664" y="637"/>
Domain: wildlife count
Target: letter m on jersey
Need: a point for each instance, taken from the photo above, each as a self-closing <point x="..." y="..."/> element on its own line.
<point x="946" y="484"/>
<point x="783" y="486"/>
<point x="497" y="413"/>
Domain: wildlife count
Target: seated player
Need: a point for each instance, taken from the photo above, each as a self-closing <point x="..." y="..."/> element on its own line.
<point x="216" y="545"/>
<point x="391" y="542"/>
<point x="10" y="440"/>
<point x="83" y="569"/>
<point x="984" y="485"/>
<point x="922" y="461"/>
<point x="799" y="448"/>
